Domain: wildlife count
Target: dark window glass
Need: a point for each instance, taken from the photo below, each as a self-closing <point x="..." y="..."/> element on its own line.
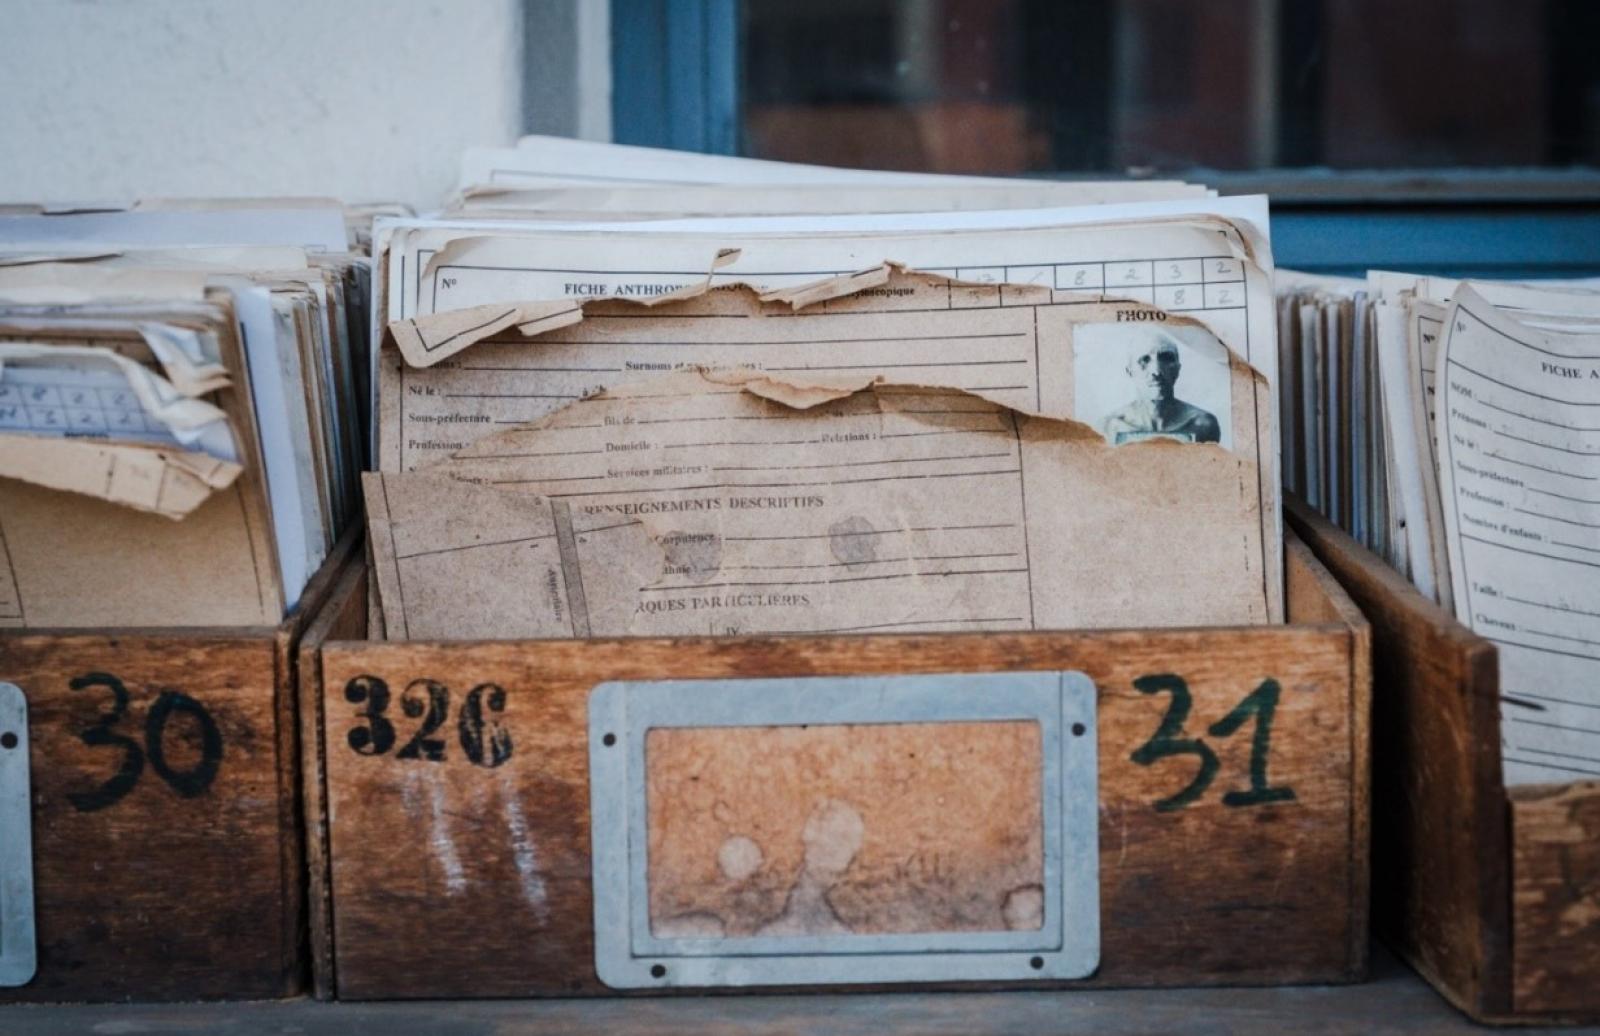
<point x="1010" y="86"/>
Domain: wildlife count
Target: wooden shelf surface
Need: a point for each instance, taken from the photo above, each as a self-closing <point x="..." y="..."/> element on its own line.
<point x="1395" y="1001"/>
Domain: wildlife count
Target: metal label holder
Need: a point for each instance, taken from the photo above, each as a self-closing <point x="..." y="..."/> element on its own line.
<point x="18" y="945"/>
<point x="629" y="956"/>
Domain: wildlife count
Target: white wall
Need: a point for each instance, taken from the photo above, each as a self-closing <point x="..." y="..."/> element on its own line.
<point x="566" y="58"/>
<point x="361" y="99"/>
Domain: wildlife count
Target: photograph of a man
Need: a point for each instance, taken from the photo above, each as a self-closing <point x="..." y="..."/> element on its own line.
<point x="1156" y="411"/>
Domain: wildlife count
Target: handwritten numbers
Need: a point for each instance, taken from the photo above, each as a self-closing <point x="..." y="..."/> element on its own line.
<point x="484" y="739"/>
<point x="186" y="783"/>
<point x="1261" y="705"/>
<point x="1165" y="742"/>
<point x="132" y="764"/>
<point x="195" y="780"/>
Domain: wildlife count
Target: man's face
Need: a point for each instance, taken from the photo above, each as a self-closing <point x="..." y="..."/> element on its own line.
<point x="1155" y="370"/>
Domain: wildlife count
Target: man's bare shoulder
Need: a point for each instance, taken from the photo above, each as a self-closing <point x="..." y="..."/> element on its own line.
<point x="1201" y="423"/>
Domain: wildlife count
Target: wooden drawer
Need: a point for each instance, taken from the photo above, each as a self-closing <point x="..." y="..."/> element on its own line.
<point x="167" y="861"/>
<point x="436" y="876"/>
<point x="1493" y="894"/>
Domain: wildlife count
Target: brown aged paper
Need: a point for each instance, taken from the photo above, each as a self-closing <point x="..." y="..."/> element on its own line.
<point x="101" y="531"/>
<point x="850" y="829"/>
<point x="1031" y="352"/>
<point x="162" y="481"/>
<point x="734" y="503"/>
<point x="1014" y="344"/>
<point x="472" y="556"/>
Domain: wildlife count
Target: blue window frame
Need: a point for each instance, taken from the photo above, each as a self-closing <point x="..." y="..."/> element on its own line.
<point x="675" y="74"/>
<point x="676" y="81"/>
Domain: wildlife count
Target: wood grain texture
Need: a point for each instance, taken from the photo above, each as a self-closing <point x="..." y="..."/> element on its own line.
<point x="345" y="616"/>
<point x="156" y="896"/>
<point x="1555" y="901"/>
<point x="1440" y="816"/>
<point x="174" y="889"/>
<point x="452" y="879"/>
<point x="1314" y="595"/>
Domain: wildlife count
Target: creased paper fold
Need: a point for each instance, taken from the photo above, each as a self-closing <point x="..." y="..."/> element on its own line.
<point x="736" y="502"/>
<point x="168" y="482"/>
<point x="424" y="341"/>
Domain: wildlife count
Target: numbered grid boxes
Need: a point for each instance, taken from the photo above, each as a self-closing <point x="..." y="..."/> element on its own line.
<point x="449" y="807"/>
<point x="167" y="861"/>
<point x="93" y="403"/>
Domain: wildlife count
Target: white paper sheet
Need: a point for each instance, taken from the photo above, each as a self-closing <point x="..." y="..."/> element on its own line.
<point x="1519" y="443"/>
<point x="317" y="227"/>
<point x="285" y="443"/>
<point x="554" y="161"/>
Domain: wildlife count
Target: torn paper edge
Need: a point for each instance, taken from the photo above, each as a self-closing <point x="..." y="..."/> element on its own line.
<point x="801" y="395"/>
<point x="1249" y="242"/>
<point x="178" y="351"/>
<point x="155" y="479"/>
<point x="426" y="340"/>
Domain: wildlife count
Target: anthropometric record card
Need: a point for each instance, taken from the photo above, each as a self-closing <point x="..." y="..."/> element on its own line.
<point x="1413" y="358"/>
<point x="1150" y="252"/>
<point x="1031" y="348"/>
<point x="1208" y="258"/>
<point x="1199" y="269"/>
<point x="1128" y="371"/>
<point x="1518" y="422"/>
<point x="697" y="504"/>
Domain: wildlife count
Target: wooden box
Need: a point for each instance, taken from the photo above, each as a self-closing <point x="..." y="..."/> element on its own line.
<point x="1492" y="893"/>
<point x="167" y="857"/>
<point x="434" y="875"/>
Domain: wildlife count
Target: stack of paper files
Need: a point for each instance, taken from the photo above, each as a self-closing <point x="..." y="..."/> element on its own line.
<point x="543" y="162"/>
<point x="842" y="402"/>
<point x="1454" y="427"/>
<point x="180" y="397"/>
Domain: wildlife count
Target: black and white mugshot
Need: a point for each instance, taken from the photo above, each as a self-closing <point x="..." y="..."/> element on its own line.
<point x="1155" y="411"/>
